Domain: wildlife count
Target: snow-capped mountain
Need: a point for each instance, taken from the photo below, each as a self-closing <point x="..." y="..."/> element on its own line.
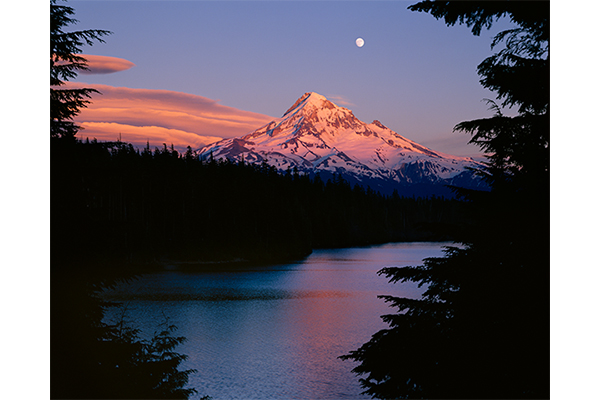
<point x="316" y="136"/>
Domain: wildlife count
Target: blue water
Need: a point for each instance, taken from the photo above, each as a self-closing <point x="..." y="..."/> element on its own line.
<point x="274" y="332"/>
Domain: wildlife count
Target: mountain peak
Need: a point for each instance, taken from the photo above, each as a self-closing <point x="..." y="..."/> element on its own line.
<point x="316" y="136"/>
<point x="311" y="100"/>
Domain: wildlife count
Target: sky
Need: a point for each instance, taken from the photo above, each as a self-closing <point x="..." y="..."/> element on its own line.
<point x="218" y="69"/>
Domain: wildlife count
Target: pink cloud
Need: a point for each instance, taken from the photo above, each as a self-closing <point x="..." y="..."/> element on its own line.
<point x="155" y="135"/>
<point x="105" y="65"/>
<point x="161" y="116"/>
<point x="339" y="100"/>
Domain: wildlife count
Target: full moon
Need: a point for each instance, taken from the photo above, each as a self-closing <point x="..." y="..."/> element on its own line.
<point x="360" y="42"/>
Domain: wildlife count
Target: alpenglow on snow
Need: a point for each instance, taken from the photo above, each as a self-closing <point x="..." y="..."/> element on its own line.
<point x="315" y="136"/>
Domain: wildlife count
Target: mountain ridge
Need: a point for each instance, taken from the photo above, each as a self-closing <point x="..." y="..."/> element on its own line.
<point x="315" y="136"/>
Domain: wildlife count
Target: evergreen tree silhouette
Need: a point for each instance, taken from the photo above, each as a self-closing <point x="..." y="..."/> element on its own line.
<point x="65" y="62"/>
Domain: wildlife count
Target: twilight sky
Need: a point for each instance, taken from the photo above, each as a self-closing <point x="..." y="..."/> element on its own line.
<point x="215" y="69"/>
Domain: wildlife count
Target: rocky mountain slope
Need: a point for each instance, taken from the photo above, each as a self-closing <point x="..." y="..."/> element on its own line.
<point x="315" y="136"/>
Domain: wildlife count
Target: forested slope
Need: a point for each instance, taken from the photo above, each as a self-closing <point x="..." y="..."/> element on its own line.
<point x="111" y="201"/>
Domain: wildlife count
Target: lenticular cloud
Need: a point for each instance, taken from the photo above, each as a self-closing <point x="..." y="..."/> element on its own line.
<point x="105" y="64"/>
<point x="138" y="116"/>
<point x="145" y="134"/>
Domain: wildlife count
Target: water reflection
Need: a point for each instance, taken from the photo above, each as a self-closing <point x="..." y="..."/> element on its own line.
<point x="231" y="294"/>
<point x="275" y="332"/>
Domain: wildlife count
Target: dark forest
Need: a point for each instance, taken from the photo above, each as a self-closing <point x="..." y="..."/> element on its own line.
<point x="113" y="202"/>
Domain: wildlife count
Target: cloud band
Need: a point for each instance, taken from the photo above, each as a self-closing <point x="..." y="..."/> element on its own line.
<point x="105" y="64"/>
<point x="161" y="116"/>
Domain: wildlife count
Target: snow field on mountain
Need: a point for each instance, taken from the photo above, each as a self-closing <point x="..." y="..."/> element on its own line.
<point x="316" y="135"/>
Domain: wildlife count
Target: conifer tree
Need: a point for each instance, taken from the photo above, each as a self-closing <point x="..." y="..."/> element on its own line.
<point x="65" y="63"/>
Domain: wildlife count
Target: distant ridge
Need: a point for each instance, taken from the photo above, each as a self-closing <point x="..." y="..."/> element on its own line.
<point x="315" y="136"/>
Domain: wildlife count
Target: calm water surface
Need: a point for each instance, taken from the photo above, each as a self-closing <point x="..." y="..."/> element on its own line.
<point x="274" y="332"/>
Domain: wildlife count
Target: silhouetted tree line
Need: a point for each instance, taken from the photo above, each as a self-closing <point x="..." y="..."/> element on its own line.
<point x="112" y="201"/>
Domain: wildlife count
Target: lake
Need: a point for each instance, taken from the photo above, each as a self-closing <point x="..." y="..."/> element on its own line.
<point x="274" y="332"/>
